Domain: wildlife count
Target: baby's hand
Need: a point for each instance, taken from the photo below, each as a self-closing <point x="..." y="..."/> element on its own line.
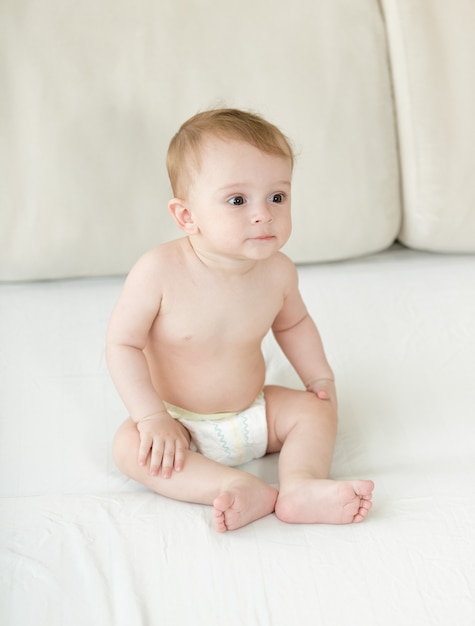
<point x="164" y="439"/>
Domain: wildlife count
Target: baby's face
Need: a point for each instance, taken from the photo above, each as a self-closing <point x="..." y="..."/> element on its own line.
<point x="239" y="200"/>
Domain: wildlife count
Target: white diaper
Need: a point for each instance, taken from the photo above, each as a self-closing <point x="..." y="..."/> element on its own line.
<point x="228" y="438"/>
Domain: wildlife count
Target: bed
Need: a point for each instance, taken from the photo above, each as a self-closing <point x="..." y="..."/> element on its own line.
<point x="82" y="544"/>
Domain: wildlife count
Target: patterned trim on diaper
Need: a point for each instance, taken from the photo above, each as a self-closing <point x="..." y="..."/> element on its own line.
<point x="222" y="440"/>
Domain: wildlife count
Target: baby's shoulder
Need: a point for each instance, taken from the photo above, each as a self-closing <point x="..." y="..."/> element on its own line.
<point x="156" y="267"/>
<point x="281" y="265"/>
<point x="280" y="274"/>
<point x="164" y="256"/>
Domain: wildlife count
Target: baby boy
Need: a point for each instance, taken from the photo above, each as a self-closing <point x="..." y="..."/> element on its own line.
<point x="184" y="341"/>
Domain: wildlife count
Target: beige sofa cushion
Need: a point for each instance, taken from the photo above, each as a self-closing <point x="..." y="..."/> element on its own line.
<point x="432" y="44"/>
<point x="92" y="92"/>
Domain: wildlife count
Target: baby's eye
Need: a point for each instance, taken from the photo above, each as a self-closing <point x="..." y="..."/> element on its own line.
<point x="236" y="200"/>
<point x="277" y="197"/>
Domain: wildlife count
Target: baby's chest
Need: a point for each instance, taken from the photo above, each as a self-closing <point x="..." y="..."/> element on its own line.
<point x="227" y="316"/>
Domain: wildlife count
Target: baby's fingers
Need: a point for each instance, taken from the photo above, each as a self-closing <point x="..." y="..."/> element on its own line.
<point x="144" y="449"/>
<point x="180" y="453"/>
<point x="173" y="458"/>
<point x="168" y="458"/>
<point x="157" y="456"/>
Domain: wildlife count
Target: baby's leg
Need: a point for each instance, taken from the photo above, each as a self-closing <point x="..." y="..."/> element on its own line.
<point x="303" y="428"/>
<point x="238" y="497"/>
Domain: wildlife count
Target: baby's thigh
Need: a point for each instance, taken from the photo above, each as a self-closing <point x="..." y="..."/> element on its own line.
<point x="284" y="408"/>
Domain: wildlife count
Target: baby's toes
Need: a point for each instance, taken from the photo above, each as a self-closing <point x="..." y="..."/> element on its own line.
<point x="365" y="506"/>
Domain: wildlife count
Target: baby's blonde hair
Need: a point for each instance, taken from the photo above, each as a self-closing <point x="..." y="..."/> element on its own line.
<point x="185" y="147"/>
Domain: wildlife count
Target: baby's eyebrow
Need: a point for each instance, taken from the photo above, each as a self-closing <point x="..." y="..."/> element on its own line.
<point x="282" y="183"/>
<point x="233" y="186"/>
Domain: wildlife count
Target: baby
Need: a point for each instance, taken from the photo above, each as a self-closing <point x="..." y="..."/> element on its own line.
<point x="184" y="341"/>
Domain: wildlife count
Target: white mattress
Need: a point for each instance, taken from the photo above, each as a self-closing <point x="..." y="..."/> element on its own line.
<point x="81" y="544"/>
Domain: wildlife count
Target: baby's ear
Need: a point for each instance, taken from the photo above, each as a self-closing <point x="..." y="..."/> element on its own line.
<point x="182" y="216"/>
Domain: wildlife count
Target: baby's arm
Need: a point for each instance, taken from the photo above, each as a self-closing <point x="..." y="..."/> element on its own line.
<point x="298" y="336"/>
<point x="138" y="305"/>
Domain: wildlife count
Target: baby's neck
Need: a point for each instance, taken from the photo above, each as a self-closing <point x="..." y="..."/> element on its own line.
<point x="221" y="264"/>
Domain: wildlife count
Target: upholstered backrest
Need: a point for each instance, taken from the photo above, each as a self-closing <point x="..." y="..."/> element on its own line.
<point x="432" y="51"/>
<point x="92" y="92"/>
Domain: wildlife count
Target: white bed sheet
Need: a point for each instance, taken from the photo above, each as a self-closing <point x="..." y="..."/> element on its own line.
<point x="81" y="544"/>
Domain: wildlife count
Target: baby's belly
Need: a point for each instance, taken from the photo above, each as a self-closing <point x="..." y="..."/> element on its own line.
<point x="209" y="385"/>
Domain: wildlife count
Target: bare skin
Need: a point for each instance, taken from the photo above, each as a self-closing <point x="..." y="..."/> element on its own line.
<point x="196" y="310"/>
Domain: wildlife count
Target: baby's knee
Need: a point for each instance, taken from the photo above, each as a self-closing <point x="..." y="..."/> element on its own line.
<point x="125" y="444"/>
<point x="308" y="402"/>
<point x="310" y="406"/>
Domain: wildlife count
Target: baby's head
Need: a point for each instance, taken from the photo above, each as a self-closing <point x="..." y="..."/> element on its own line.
<point x="184" y="152"/>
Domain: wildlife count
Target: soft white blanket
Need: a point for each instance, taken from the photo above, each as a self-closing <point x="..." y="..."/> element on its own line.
<point x="81" y="544"/>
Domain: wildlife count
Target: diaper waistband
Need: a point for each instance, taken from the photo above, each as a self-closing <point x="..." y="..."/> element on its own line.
<point x="178" y="413"/>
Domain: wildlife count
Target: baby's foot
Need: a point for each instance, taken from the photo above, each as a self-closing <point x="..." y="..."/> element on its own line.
<point x="325" y="502"/>
<point x="242" y="504"/>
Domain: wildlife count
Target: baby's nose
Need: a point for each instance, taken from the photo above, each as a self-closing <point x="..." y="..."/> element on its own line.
<point x="262" y="214"/>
